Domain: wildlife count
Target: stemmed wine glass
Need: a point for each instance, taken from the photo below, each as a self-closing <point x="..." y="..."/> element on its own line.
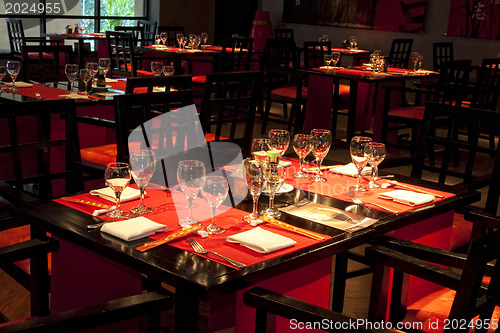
<point x="274" y="176"/>
<point x="328" y="60"/>
<point x="156" y="67"/>
<point x="142" y="165"/>
<point x="214" y="191"/>
<point x="3" y="72"/>
<point x="353" y="40"/>
<point x="71" y="71"/>
<point x="164" y="38"/>
<point x="321" y="139"/>
<point x="359" y="154"/>
<point x="259" y="149"/>
<point x="85" y="76"/>
<point x="158" y="39"/>
<point x="117" y="177"/>
<point x="104" y="65"/>
<point x="93" y="67"/>
<point x="255" y="182"/>
<point x="191" y="177"/>
<point x="168" y="70"/>
<point x="302" y="146"/>
<point x="204" y="39"/>
<point x="415" y="56"/>
<point x="180" y="39"/>
<point x="13" y="68"/>
<point x="335" y="58"/>
<point x="376" y="154"/>
<point x="279" y="140"/>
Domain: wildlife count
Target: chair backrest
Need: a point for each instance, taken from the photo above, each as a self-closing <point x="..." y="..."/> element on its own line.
<point x="137" y="32"/>
<point x="148" y="31"/>
<point x="48" y="63"/>
<point x="16" y="36"/>
<point x="279" y="53"/>
<point x="122" y="54"/>
<point x="441" y="52"/>
<point x="453" y="82"/>
<point x="228" y="106"/>
<point x="449" y="129"/>
<point x="236" y="55"/>
<point x="284" y="33"/>
<point x="314" y="53"/>
<point x="177" y="82"/>
<point x="399" y="55"/>
<point x="172" y="32"/>
<point x="487" y="87"/>
<point x="39" y="148"/>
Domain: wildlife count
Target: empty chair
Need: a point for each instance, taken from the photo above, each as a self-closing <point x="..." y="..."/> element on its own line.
<point x="136" y="32"/>
<point x="121" y="51"/>
<point x="149" y="29"/>
<point x="441" y="53"/>
<point x="399" y="56"/>
<point x="48" y="65"/>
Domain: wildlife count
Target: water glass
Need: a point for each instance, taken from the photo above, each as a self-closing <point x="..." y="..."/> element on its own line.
<point x="71" y="71"/>
<point x="168" y="70"/>
<point x="180" y="38"/>
<point x="254" y="176"/>
<point x="142" y="165"/>
<point x="164" y="38"/>
<point x="415" y="58"/>
<point x="104" y="65"/>
<point x="13" y="68"/>
<point x="204" y="39"/>
<point x="214" y="191"/>
<point x="156" y="67"/>
<point x="259" y="149"/>
<point x="117" y="177"/>
<point x="353" y="41"/>
<point x="376" y="154"/>
<point x="191" y="177"/>
<point x="335" y="58"/>
<point x="321" y="140"/>
<point x="279" y="140"/>
<point x="85" y="76"/>
<point x="359" y="155"/>
<point x="274" y="176"/>
<point x="93" y="67"/>
<point x="158" y="39"/>
<point x="302" y="145"/>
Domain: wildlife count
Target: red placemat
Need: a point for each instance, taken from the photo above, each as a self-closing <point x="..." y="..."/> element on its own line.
<point x="231" y="220"/>
<point x="47" y="93"/>
<point x="337" y="185"/>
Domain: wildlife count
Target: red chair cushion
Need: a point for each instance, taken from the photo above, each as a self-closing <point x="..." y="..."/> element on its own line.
<point x="344" y="89"/>
<point x="36" y="55"/>
<point x="461" y="232"/>
<point x="412" y="112"/>
<point x="200" y="79"/>
<point x="289" y="92"/>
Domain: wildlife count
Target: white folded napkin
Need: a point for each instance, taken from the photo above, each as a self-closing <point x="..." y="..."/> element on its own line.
<point x="285" y="163"/>
<point x="136" y="228"/>
<point x="349" y="170"/>
<point x="261" y="240"/>
<point x="107" y="193"/>
<point x="73" y="95"/>
<point x="407" y="197"/>
<point x="110" y="80"/>
<point x="20" y="84"/>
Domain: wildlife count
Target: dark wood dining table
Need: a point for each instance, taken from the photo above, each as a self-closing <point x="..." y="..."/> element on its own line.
<point x="195" y="277"/>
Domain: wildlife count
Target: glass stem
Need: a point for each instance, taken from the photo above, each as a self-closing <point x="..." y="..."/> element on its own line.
<point x="375" y="173"/>
<point x="301" y="165"/>
<point x="271" y="200"/>
<point x="141" y="200"/>
<point x="190" y="204"/>
<point x="360" y="171"/>
<point x="255" y="204"/>
<point x="319" y="161"/>
<point x="118" y="194"/>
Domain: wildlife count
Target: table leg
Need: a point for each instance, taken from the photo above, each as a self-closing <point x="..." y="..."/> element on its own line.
<point x="187" y="308"/>
<point x="351" y="112"/>
<point x="81" y="53"/>
<point x="319" y="102"/>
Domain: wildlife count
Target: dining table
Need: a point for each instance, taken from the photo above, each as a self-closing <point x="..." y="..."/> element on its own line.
<point x="92" y="265"/>
<point x="365" y="105"/>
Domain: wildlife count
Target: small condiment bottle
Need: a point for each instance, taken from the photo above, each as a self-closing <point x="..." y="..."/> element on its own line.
<point x="69" y="29"/>
<point x="101" y="80"/>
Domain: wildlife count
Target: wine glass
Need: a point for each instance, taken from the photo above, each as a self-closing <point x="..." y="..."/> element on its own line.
<point x="279" y="140"/>
<point x="255" y="182"/>
<point x="259" y="149"/>
<point x="302" y="145"/>
<point x="191" y="177"/>
<point x="415" y="56"/>
<point x="142" y="165"/>
<point x="376" y="154"/>
<point x="104" y="65"/>
<point x="168" y="70"/>
<point x="204" y="39"/>
<point x="164" y="38"/>
<point x="321" y="139"/>
<point x="71" y="71"/>
<point x="328" y="60"/>
<point x="13" y="68"/>
<point x="3" y="72"/>
<point x="353" y="40"/>
<point x="117" y="177"/>
<point x="274" y="176"/>
<point x="214" y="191"/>
<point x="85" y="76"/>
<point x="83" y="27"/>
<point x="180" y="38"/>
<point x="335" y="58"/>
<point x="93" y="67"/>
<point x="184" y="42"/>
<point x="156" y="67"/>
<point x="359" y="148"/>
<point x="158" y="39"/>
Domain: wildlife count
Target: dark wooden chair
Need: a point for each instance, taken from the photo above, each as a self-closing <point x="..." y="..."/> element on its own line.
<point x="136" y="32"/>
<point x="171" y="32"/>
<point x="268" y="302"/>
<point x="229" y="104"/>
<point x="177" y="82"/>
<point x="149" y="29"/>
<point x="124" y="58"/>
<point x="441" y="53"/>
<point x="314" y="53"/>
<point x="400" y="52"/>
<point x="472" y="284"/>
<point x="284" y="33"/>
<point x="48" y="65"/>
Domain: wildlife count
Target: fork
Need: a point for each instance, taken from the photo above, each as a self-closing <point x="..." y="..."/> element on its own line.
<point x="201" y="250"/>
<point x="359" y="202"/>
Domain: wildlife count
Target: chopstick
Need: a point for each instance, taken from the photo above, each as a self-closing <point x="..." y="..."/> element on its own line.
<point x="393" y="182"/>
<point x="292" y="228"/>
<point x="167" y="239"/>
<point x="86" y="202"/>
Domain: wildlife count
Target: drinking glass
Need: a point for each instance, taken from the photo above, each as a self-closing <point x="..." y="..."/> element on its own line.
<point x="142" y="165"/>
<point x="3" y="72"/>
<point x="117" y="177"/>
<point x="255" y="182"/>
<point x="279" y="140"/>
<point x="168" y="70"/>
<point x="321" y="139"/>
<point x="302" y="146"/>
<point x="191" y="177"/>
<point x="83" y="26"/>
<point x="328" y="60"/>
<point x="180" y="38"/>
<point x="274" y="176"/>
<point x="13" y="68"/>
<point x="259" y="149"/>
<point x="376" y="154"/>
<point x="353" y="40"/>
<point x="156" y="67"/>
<point x="93" y="67"/>
<point x="85" y="76"/>
<point x="104" y="65"/>
<point x="204" y="39"/>
<point x="415" y="56"/>
<point x="164" y="37"/>
<point x="71" y="71"/>
<point x="359" y="155"/>
<point x="158" y="39"/>
<point x="335" y="58"/>
<point x="184" y="42"/>
<point x="214" y="191"/>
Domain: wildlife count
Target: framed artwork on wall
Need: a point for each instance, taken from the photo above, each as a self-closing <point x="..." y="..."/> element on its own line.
<point x="475" y="19"/>
<point x="388" y="15"/>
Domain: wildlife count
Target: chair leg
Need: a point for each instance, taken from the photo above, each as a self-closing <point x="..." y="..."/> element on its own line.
<point x="265" y="117"/>
<point x="339" y="282"/>
<point x="285" y="110"/>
